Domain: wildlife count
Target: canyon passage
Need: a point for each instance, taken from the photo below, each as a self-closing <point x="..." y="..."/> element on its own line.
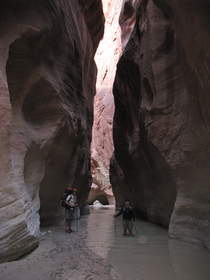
<point x="111" y="98"/>
<point x="99" y="251"/>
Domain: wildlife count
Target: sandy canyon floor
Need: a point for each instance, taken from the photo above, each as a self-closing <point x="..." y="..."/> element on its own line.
<point x="100" y="252"/>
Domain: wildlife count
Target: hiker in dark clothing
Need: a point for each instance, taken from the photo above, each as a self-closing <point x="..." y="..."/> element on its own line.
<point x="128" y="217"/>
<point x="69" y="202"/>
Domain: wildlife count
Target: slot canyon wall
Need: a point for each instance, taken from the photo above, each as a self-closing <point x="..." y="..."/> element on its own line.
<point x="162" y="118"/>
<point x="107" y="56"/>
<point x="48" y="77"/>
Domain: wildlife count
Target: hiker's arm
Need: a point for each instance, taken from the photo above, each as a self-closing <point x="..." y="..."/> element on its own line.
<point x="67" y="203"/>
<point x="119" y="213"/>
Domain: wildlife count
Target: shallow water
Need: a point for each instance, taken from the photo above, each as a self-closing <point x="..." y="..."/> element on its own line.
<point x="149" y="255"/>
<point x="88" y="253"/>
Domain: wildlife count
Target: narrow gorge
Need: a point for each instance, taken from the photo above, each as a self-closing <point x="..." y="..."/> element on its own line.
<point x="139" y="130"/>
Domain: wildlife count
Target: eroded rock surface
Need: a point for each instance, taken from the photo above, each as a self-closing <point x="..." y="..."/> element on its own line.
<point x="162" y="118"/>
<point x="119" y="15"/>
<point x="107" y="56"/>
<point x="48" y="75"/>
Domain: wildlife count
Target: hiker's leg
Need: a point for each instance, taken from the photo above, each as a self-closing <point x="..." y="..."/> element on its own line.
<point x="73" y="219"/>
<point x="124" y="227"/>
<point x="70" y="225"/>
<point x="127" y="226"/>
<point x="130" y="227"/>
<point x="68" y="220"/>
<point x="77" y="216"/>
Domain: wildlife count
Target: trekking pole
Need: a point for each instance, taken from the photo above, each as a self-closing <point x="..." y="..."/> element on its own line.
<point x="135" y="228"/>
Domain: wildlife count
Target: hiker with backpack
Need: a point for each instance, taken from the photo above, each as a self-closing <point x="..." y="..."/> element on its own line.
<point x="69" y="202"/>
<point x="128" y="218"/>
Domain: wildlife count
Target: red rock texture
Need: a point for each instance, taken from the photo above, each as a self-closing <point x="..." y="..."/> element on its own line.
<point x="162" y="118"/>
<point x="107" y="56"/>
<point x="47" y="88"/>
<point x="120" y="18"/>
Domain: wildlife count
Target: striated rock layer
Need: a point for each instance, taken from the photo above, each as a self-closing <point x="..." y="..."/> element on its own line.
<point x="48" y="75"/>
<point x="119" y="15"/>
<point x="162" y="118"/>
<point x="106" y="58"/>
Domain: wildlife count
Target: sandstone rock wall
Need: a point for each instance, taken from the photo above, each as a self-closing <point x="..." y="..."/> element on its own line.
<point x="48" y="75"/>
<point x="106" y="59"/>
<point x="119" y="15"/>
<point x="161" y="120"/>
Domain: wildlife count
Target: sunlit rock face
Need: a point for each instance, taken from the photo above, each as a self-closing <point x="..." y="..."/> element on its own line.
<point x="162" y="118"/>
<point x="119" y="16"/>
<point x="106" y="58"/>
<point x="48" y="75"/>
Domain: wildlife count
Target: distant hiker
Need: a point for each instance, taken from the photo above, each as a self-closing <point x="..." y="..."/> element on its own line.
<point x="128" y="217"/>
<point x="69" y="202"/>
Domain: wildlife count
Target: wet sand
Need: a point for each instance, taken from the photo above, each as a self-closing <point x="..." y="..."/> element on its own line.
<point x="100" y="252"/>
<point x="149" y="255"/>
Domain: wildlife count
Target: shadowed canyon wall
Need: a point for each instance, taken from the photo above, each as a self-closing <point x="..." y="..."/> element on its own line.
<point x="107" y="56"/>
<point x="162" y="118"/>
<point x="48" y="77"/>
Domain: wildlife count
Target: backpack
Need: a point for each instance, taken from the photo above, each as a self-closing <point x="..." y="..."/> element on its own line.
<point x="63" y="200"/>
